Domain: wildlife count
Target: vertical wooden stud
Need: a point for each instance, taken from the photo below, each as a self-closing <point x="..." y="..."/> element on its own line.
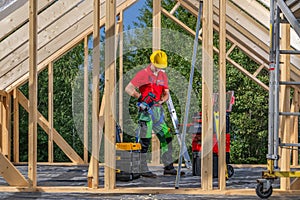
<point x="222" y="94"/>
<point x="110" y="96"/>
<point x="156" y="42"/>
<point x="50" y="112"/>
<point x="121" y="73"/>
<point x="16" y="127"/>
<point x="5" y="126"/>
<point x="86" y="102"/>
<point x="207" y="93"/>
<point x="32" y="135"/>
<point x="285" y="103"/>
<point x="8" y="124"/>
<point x="95" y="112"/>
<point x="1" y="123"/>
<point x="294" y="127"/>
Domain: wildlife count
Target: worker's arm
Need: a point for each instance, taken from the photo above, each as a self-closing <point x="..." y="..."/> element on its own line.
<point x="165" y="96"/>
<point x="130" y="89"/>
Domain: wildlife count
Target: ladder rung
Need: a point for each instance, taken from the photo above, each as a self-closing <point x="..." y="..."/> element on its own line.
<point x="285" y="21"/>
<point x="288" y="83"/>
<point x="289" y="52"/>
<point x="289" y="145"/>
<point x="290" y="113"/>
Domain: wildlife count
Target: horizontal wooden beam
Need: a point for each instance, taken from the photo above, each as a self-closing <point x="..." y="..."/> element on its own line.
<point x="148" y="190"/>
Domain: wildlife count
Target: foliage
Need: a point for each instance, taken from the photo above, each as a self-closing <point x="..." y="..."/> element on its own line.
<point x="65" y="72"/>
<point x="249" y="115"/>
<point x="248" y="118"/>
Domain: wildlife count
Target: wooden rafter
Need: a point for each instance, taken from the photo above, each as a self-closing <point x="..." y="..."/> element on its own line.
<point x="58" y="44"/>
<point x="17" y="17"/>
<point x="235" y="43"/>
<point x="45" y="19"/>
<point x="255" y="52"/>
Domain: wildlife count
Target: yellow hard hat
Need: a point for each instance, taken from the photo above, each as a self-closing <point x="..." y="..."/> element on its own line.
<point x="159" y="59"/>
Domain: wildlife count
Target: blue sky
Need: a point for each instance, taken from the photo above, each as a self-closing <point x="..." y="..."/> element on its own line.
<point x="131" y="13"/>
<point x="129" y="16"/>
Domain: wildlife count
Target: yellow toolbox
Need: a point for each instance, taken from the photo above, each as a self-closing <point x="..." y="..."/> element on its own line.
<point x="128" y="161"/>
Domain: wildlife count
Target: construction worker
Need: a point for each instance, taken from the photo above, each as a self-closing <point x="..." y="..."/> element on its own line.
<point x="153" y="91"/>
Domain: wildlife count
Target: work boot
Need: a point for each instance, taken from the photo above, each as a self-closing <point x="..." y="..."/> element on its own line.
<point x="145" y="172"/>
<point x="148" y="174"/>
<point x="170" y="170"/>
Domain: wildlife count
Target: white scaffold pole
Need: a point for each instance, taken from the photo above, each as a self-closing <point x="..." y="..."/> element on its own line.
<point x="188" y="100"/>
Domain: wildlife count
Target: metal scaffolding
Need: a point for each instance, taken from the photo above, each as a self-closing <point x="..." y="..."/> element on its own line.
<point x="281" y="11"/>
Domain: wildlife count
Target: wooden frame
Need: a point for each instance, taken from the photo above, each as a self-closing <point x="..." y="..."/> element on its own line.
<point x="86" y="104"/>
<point x="110" y="97"/>
<point x="56" y="46"/>
<point x="156" y="42"/>
<point x="222" y="96"/>
<point x="32" y="129"/>
<point x="207" y="94"/>
<point x="95" y="112"/>
<point x="42" y="54"/>
<point x="50" y="112"/>
<point x="284" y="106"/>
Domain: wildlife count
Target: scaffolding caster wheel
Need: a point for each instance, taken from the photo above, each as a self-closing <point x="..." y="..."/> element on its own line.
<point x="230" y="171"/>
<point x="263" y="188"/>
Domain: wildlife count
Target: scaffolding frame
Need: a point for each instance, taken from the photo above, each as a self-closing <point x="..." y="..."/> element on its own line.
<point x="280" y="12"/>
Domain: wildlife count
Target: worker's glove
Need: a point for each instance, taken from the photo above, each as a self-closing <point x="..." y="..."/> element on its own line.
<point x="150" y="99"/>
<point x="143" y="106"/>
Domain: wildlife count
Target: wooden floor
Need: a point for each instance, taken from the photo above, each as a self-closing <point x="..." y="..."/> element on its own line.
<point x="244" y="179"/>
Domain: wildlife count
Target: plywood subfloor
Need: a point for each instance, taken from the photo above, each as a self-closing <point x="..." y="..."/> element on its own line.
<point x="49" y="176"/>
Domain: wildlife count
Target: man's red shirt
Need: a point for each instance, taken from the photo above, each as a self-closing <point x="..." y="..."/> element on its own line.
<point x="146" y="82"/>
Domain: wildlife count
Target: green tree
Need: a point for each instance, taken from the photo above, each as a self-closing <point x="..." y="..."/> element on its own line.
<point x="249" y="115"/>
<point x="65" y="72"/>
<point x="249" y="118"/>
